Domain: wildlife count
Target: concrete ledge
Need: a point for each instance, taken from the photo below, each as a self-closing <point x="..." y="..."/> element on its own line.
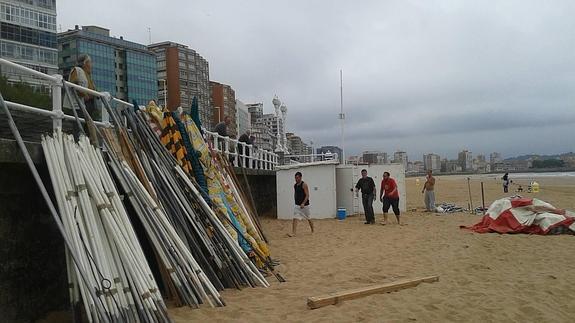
<point x="10" y="152"/>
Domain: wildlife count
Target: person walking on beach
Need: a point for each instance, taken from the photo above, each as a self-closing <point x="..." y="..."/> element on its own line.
<point x="428" y="190"/>
<point x="368" y="192"/>
<point x="505" y="179"/>
<point x="301" y="208"/>
<point x="389" y="196"/>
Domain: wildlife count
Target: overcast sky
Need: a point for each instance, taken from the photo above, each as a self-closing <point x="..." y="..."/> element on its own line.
<point x="419" y="76"/>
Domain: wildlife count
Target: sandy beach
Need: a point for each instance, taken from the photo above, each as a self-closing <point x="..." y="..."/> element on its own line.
<point x="483" y="277"/>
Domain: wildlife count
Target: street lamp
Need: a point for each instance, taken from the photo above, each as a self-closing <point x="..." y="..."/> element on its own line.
<point x="312" y="150"/>
<point x="276" y="102"/>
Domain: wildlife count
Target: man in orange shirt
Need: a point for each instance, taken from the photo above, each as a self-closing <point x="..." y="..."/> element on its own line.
<point x="389" y="196"/>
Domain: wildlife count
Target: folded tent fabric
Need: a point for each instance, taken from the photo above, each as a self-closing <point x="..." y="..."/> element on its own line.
<point x="154" y="117"/>
<point x="195" y="114"/>
<point x="524" y="215"/>
<point x="224" y="203"/>
<point x="171" y="138"/>
<point x="193" y="157"/>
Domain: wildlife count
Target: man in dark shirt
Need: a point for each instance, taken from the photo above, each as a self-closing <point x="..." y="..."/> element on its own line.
<point x="368" y="190"/>
<point x="222" y="127"/>
<point x="301" y="208"/>
<point x="245" y="138"/>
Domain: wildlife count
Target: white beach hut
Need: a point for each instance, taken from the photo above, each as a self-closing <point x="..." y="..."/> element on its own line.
<point x="320" y="178"/>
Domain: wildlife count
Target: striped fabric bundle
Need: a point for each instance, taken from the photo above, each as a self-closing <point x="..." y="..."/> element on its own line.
<point x="525" y="215"/>
<point x="171" y="138"/>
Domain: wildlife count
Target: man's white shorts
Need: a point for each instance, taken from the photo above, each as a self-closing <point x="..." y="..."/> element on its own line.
<point x="301" y="213"/>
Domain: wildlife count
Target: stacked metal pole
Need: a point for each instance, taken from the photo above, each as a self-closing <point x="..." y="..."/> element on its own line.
<point x="221" y="258"/>
<point x="96" y="221"/>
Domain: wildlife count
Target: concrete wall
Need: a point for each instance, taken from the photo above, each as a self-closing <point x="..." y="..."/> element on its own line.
<point x="32" y="258"/>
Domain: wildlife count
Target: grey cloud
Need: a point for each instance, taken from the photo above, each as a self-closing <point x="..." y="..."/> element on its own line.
<point x="418" y="76"/>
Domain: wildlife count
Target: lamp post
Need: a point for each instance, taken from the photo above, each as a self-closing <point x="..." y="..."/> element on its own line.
<point x="283" y="129"/>
<point x="276" y="102"/>
<point x="312" y="150"/>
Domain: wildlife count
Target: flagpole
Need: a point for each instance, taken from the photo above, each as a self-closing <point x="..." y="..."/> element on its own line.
<point x="342" y="116"/>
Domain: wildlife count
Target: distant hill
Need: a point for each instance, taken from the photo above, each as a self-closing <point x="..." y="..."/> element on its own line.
<point x="541" y="157"/>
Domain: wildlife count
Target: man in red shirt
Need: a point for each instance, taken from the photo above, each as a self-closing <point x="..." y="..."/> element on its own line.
<point x="389" y="196"/>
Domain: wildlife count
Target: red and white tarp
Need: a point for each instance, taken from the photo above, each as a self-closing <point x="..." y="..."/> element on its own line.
<point x="525" y="215"/>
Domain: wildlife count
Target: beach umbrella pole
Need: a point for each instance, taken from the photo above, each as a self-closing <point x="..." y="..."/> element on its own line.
<point x="482" y="198"/>
<point x="469" y="190"/>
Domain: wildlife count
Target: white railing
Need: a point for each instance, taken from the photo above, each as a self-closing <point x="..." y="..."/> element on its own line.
<point x="310" y="158"/>
<point x="249" y="157"/>
<point x="56" y="83"/>
<point x="256" y="159"/>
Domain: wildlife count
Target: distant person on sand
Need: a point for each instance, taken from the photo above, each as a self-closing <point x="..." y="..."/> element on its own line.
<point x="428" y="190"/>
<point x="389" y="196"/>
<point x="368" y="191"/>
<point x="505" y="179"/>
<point x="301" y="208"/>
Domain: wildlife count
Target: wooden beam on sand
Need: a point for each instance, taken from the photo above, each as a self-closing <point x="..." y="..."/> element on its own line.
<point x="334" y="298"/>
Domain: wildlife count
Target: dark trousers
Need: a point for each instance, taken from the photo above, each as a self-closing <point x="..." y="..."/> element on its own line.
<point x="394" y="203"/>
<point x="367" y="200"/>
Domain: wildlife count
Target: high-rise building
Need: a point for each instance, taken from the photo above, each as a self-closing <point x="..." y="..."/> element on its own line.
<point x="465" y="160"/>
<point x="261" y="130"/>
<point x="332" y="150"/>
<point x="450" y="166"/>
<point x="418" y="167"/>
<point x="182" y="75"/>
<point x="264" y="137"/>
<point x="271" y="121"/>
<point x="494" y="158"/>
<point x="223" y="105"/>
<point x="243" y="118"/>
<point x="256" y="111"/>
<point x="432" y="162"/>
<point x="481" y="158"/>
<point x="400" y="157"/>
<point x="296" y="146"/>
<point x="374" y="157"/>
<point x="370" y="157"/>
<point x="28" y="37"/>
<point x="125" y="69"/>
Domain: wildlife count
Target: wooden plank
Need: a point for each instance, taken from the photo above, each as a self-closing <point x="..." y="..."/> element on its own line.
<point x="336" y="297"/>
